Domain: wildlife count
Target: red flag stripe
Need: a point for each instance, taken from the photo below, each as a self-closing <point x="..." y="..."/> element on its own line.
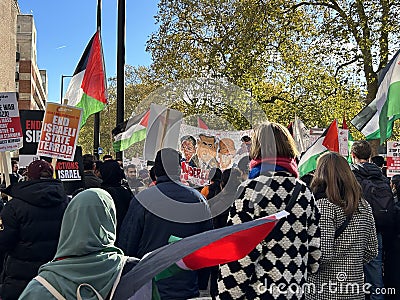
<point x="331" y="140"/>
<point x="201" y="123"/>
<point x="344" y="124"/>
<point x="93" y="83"/>
<point x="145" y="120"/>
<point x="229" y="248"/>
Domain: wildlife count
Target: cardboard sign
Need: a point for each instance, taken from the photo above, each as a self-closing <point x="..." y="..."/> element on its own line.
<point x="393" y="158"/>
<point x="10" y="124"/>
<point x="60" y="131"/>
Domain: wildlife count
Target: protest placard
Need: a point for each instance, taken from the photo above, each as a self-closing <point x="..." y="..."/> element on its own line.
<point x="393" y="158"/>
<point x="10" y="125"/>
<point x="203" y="149"/>
<point x="60" y="131"/>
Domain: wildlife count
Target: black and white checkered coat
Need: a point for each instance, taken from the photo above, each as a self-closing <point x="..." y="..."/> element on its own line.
<point x="343" y="258"/>
<point x="287" y="255"/>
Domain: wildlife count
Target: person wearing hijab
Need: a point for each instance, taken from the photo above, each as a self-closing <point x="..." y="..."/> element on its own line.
<point x="86" y="253"/>
<point x="30" y="226"/>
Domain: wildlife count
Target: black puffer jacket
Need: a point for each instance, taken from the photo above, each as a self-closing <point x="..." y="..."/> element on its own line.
<point x="29" y="231"/>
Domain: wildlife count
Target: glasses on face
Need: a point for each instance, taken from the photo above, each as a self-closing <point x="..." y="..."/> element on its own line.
<point x="188" y="148"/>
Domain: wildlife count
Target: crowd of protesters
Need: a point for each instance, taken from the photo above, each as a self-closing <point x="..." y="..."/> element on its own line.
<point x="331" y="245"/>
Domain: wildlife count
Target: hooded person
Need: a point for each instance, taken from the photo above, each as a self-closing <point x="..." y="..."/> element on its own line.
<point x="86" y="253"/>
<point x="112" y="175"/>
<point x="30" y="226"/>
<point x="167" y="209"/>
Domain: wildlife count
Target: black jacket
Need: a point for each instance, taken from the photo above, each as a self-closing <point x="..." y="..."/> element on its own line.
<point x="29" y="231"/>
<point x="91" y="180"/>
<point x="365" y="170"/>
<point x="122" y="196"/>
<point x="143" y="230"/>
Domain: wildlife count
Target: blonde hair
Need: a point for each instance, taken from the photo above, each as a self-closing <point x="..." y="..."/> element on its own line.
<point x="272" y="140"/>
<point x="342" y="188"/>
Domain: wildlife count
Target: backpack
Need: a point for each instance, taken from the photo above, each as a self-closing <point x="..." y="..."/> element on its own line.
<point x="377" y="192"/>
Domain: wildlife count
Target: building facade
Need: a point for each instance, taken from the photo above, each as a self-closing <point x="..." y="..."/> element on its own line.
<point x="19" y="71"/>
<point x="31" y="82"/>
<point x="9" y="10"/>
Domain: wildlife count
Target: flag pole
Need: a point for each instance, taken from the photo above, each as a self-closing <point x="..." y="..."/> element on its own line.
<point x="120" y="67"/>
<point x="96" y="131"/>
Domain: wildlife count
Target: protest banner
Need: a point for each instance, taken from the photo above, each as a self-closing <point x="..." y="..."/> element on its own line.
<point x="393" y="158"/>
<point x="203" y="149"/>
<point x="10" y="124"/>
<point x="60" y="130"/>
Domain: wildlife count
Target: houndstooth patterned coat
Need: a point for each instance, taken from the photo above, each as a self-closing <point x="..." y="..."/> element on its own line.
<point x="340" y="275"/>
<point x="287" y="255"/>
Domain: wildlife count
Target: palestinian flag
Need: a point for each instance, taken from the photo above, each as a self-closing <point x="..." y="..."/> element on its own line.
<point x="131" y="131"/>
<point x="205" y="249"/>
<point x="328" y="141"/>
<point x="201" y="124"/>
<point x="376" y="120"/>
<point x="87" y="88"/>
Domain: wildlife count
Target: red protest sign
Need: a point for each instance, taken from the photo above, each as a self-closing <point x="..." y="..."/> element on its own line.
<point x="60" y="131"/>
<point x="10" y="124"/>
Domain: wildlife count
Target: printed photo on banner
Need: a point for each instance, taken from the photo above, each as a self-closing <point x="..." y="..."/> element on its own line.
<point x="60" y="131"/>
<point x="204" y="149"/>
<point x="10" y="124"/>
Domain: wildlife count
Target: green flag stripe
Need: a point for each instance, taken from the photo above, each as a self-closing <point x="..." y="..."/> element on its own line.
<point x="310" y="165"/>
<point x="393" y="99"/>
<point x="377" y="133"/>
<point x="89" y="106"/>
<point x="124" y="144"/>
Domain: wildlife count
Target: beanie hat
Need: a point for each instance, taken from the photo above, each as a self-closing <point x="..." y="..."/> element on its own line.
<point x="40" y="169"/>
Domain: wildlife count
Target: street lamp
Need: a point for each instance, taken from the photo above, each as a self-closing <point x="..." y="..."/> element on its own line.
<point x="62" y="85"/>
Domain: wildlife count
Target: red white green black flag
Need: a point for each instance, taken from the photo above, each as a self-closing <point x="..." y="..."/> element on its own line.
<point x="87" y="88"/>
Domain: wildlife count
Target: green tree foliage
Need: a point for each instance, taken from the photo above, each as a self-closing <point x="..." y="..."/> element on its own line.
<point x="361" y="35"/>
<point x="318" y="59"/>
